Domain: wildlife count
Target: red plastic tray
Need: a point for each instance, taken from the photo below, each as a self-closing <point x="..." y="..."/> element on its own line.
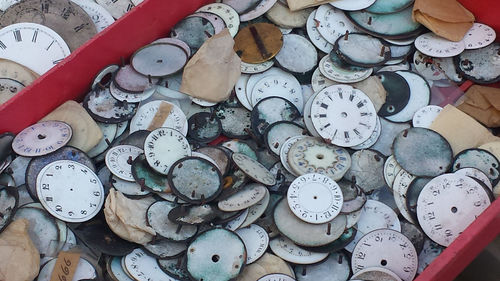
<point x="153" y="19"/>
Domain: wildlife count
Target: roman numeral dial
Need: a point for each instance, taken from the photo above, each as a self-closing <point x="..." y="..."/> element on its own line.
<point x="343" y="115"/>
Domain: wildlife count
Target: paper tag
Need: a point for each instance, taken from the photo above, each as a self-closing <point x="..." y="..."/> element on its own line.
<point x="160" y="116"/>
<point x="65" y="267"/>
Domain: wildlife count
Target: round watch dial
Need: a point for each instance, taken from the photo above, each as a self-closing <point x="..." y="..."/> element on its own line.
<point x="448" y="204"/>
<point x="42" y="138"/>
<point x="163" y="147"/>
<point x="35" y="46"/>
<point x="389" y="249"/>
<point x="119" y="160"/>
<point x="435" y="46"/>
<point x="70" y="191"/>
<point x="343" y="115"/>
<point x="315" y="198"/>
<point x="70" y="21"/>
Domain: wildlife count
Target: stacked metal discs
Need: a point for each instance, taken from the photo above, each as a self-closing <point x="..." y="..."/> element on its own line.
<point x="320" y="165"/>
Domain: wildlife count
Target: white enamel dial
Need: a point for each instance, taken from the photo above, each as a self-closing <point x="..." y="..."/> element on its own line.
<point x="479" y="36"/>
<point x="253" y="169"/>
<point x="387" y="249"/>
<point x="276" y="277"/>
<point x="448" y="204"/>
<point x="256" y="241"/>
<point x="5" y="4"/>
<point x="258" y="11"/>
<point x="400" y="187"/>
<point x="280" y="86"/>
<point x="42" y="138"/>
<point x="143" y="267"/>
<point x="316" y="38"/>
<point x="374" y="215"/>
<point x="226" y="13"/>
<point x="70" y="191"/>
<point x="315" y="198"/>
<point x="252" y="68"/>
<point x="289" y="251"/>
<point x="343" y="115"/>
<point x="320" y="81"/>
<point x="349" y="5"/>
<point x="333" y="23"/>
<point x="119" y="160"/>
<point x="436" y="46"/>
<point x="391" y="169"/>
<point x="100" y="16"/>
<point x="117" y="8"/>
<point x="163" y="147"/>
<point x="424" y="117"/>
<point x="35" y="46"/>
<point x="476" y="174"/>
<point x="173" y="118"/>
<point x="334" y="72"/>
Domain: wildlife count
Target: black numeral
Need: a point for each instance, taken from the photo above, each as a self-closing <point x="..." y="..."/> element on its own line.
<point x="35" y="35"/>
<point x="17" y="35"/>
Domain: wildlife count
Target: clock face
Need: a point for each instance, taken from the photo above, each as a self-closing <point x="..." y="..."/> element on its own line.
<point x="435" y="46"/>
<point x="448" y="204"/>
<point x="278" y="85"/>
<point x="67" y="19"/>
<point x="226" y="13"/>
<point x="316" y="38"/>
<point x="119" y="160"/>
<point x="388" y="248"/>
<point x="343" y="115"/>
<point x="163" y="147"/>
<point x="35" y="46"/>
<point x="480" y="35"/>
<point x="146" y="114"/>
<point x="70" y="191"/>
<point x="423" y="117"/>
<point x="315" y="198"/>
<point x="116" y="8"/>
<point x="42" y="138"/>
<point x="100" y="16"/>
<point x="16" y="71"/>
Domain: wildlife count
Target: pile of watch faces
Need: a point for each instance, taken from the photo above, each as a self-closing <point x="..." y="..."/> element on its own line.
<point x="309" y="171"/>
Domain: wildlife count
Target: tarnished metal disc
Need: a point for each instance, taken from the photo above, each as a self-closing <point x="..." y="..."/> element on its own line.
<point x="147" y="177"/>
<point x="258" y="43"/>
<point x="207" y="261"/>
<point x="362" y="50"/>
<point x="422" y="152"/>
<point x="398" y="93"/>
<point x="195" y="180"/>
<point x="480" y="159"/>
<point x="392" y="26"/>
<point x="159" y="59"/>
<point x="367" y="170"/>
<point x="480" y="66"/>
<point x="289" y="251"/>
<point x="303" y="233"/>
<point x="334" y="268"/>
<point x="253" y="169"/>
<point x="103" y="107"/>
<point x="157" y="216"/>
